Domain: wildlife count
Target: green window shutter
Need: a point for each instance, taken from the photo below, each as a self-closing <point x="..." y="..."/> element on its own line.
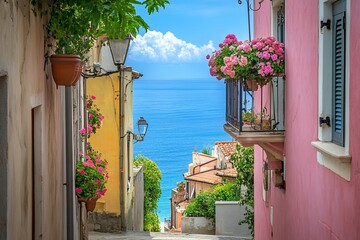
<point x="338" y="79"/>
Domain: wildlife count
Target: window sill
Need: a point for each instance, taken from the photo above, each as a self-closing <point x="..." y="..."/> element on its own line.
<point x="333" y="157"/>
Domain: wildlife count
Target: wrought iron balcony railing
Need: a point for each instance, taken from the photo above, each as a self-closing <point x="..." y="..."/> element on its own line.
<point x="261" y="110"/>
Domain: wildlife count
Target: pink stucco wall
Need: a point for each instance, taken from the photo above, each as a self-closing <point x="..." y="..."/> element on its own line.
<point x="317" y="203"/>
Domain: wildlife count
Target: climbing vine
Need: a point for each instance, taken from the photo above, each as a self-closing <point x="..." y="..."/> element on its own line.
<point x="244" y="164"/>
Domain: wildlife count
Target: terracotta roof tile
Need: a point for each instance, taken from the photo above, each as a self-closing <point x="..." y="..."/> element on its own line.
<point x="206" y="177"/>
<point x="230" y="172"/>
<point x="227" y="148"/>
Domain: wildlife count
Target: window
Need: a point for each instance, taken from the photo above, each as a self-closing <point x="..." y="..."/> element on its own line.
<point x="278" y="20"/>
<point x="278" y="31"/>
<point x="338" y="71"/>
<point x="333" y="144"/>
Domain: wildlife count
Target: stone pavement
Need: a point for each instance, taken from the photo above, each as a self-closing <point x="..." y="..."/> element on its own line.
<point x="157" y="236"/>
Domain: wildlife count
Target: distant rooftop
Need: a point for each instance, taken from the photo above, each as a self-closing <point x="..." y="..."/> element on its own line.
<point x="209" y="176"/>
<point x="230" y="172"/>
<point x="227" y="148"/>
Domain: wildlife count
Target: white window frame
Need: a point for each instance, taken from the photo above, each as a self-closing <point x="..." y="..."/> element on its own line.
<point x="330" y="155"/>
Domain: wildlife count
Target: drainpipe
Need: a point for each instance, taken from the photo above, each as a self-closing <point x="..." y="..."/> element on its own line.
<point x="70" y="194"/>
<point x="122" y="139"/>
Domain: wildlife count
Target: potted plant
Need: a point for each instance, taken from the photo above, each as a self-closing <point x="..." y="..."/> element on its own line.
<point x="262" y="120"/>
<point x="91" y="170"/>
<point x="248" y="116"/>
<point x="74" y="26"/>
<point x="180" y="186"/>
<point x="90" y="177"/>
<point x="257" y="61"/>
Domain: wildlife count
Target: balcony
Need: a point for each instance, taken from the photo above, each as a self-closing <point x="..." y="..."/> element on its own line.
<point x="255" y="114"/>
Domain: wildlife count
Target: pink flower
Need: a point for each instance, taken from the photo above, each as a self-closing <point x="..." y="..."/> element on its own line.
<point x="85" y="164"/>
<point x="78" y="190"/>
<point x="98" y="181"/>
<point x="91" y="163"/>
<point x="98" y="160"/>
<point x="100" y="169"/>
<point x="81" y="153"/>
<point x="93" y="97"/>
<point x="274" y="57"/>
<point x="90" y="115"/>
<point x="230" y="38"/>
<point x="246" y="48"/>
<point x="101" y="193"/>
<point x="82" y="131"/>
<point x="243" y="61"/>
<point x="89" y="129"/>
<point x="82" y="172"/>
<point x="266" y="55"/>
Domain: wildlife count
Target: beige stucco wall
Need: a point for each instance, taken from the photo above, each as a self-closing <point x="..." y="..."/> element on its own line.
<point x="22" y="57"/>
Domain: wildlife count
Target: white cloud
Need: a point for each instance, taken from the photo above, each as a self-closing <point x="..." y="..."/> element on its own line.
<point x="159" y="47"/>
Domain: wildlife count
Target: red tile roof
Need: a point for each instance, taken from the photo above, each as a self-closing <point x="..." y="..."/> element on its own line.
<point x="227" y="148"/>
<point x="230" y="172"/>
<point x="209" y="176"/>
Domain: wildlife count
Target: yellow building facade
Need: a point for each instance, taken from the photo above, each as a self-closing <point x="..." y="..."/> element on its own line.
<point x="115" y="142"/>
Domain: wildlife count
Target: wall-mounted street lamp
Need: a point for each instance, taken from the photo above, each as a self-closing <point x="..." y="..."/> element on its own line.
<point x="119" y="49"/>
<point x="142" y="128"/>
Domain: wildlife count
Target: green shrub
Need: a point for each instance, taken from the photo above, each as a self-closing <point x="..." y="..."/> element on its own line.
<point x="152" y="192"/>
<point x="151" y="222"/>
<point x="204" y="203"/>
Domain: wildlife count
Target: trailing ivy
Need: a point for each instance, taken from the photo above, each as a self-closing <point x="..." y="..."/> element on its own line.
<point x="152" y="192"/>
<point x="244" y="164"/>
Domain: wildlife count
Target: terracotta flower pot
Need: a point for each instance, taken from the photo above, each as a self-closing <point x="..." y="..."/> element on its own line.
<point x="81" y="199"/>
<point x="66" y="69"/>
<point x="252" y="84"/>
<point x="90" y="204"/>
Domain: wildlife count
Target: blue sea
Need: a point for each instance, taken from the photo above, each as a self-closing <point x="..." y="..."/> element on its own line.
<point x="183" y="116"/>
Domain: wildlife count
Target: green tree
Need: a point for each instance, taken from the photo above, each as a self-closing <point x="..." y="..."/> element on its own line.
<point x="75" y="24"/>
<point x="244" y="164"/>
<point x="152" y="192"/>
<point x="204" y="203"/>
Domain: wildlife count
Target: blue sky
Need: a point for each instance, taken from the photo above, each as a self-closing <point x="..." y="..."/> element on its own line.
<point x="181" y="35"/>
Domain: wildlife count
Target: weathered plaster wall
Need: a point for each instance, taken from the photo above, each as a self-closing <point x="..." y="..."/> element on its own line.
<point x="198" y="225"/>
<point x="22" y="57"/>
<point x="107" y="138"/>
<point x="317" y="203"/>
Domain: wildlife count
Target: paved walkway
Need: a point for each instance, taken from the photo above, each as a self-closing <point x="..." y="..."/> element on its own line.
<point x="157" y="236"/>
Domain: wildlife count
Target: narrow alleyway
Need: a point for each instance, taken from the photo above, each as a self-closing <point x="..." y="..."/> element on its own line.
<point x="157" y="236"/>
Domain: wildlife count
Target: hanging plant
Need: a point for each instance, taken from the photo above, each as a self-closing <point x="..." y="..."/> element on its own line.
<point x="260" y="59"/>
<point x="76" y="24"/>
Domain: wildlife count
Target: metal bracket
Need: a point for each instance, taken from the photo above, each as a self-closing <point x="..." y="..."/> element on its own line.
<point x="325" y="24"/>
<point x="323" y="121"/>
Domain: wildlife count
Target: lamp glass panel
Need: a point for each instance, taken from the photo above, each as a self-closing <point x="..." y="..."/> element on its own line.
<point x="142" y="126"/>
<point x="119" y="48"/>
